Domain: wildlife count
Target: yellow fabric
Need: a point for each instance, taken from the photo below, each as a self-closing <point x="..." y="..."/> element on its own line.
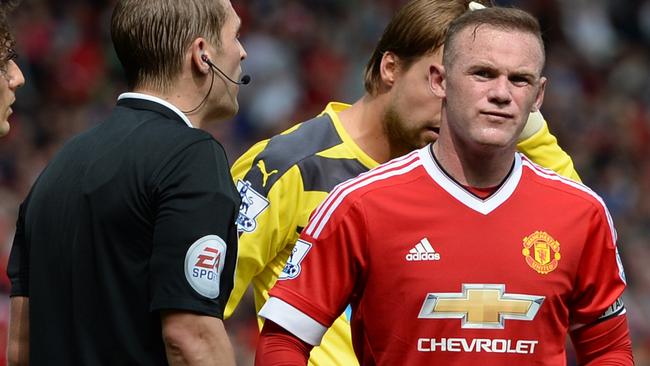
<point x="533" y="125"/>
<point x="263" y="253"/>
<point x="543" y="149"/>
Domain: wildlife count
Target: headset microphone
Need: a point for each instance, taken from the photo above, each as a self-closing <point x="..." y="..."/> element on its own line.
<point x="244" y="80"/>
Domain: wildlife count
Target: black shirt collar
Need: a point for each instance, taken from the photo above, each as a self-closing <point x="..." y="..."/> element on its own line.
<point x="151" y="103"/>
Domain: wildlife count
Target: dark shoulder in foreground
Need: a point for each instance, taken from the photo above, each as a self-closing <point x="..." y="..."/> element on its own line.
<point x="129" y="143"/>
<point x="142" y="133"/>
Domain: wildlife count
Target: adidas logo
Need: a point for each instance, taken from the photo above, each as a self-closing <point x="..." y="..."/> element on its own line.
<point x="423" y="251"/>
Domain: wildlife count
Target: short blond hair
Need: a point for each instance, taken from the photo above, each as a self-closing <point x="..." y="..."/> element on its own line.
<point x="151" y="36"/>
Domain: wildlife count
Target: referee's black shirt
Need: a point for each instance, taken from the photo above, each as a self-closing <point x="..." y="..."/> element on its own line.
<point x="129" y="218"/>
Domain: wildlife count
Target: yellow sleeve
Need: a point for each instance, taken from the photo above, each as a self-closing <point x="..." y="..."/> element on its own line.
<point x="543" y="149"/>
<point x="268" y="230"/>
<point x="245" y="269"/>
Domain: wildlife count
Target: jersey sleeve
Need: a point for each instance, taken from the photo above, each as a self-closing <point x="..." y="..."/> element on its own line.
<point x="542" y="148"/>
<point x="18" y="266"/>
<point x="329" y="276"/>
<point x="195" y="240"/>
<point x="604" y="343"/>
<point x="267" y="218"/>
<point x="600" y="278"/>
<point x="277" y="346"/>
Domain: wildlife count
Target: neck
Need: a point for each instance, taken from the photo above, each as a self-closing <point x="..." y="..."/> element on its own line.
<point x="186" y="94"/>
<point x="475" y="167"/>
<point x="363" y="121"/>
<point x="178" y="101"/>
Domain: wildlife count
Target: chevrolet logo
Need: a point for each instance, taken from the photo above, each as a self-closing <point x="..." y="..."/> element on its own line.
<point x="481" y="306"/>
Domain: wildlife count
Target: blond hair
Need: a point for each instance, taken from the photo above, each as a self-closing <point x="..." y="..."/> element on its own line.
<point x="151" y="36"/>
<point x="416" y="30"/>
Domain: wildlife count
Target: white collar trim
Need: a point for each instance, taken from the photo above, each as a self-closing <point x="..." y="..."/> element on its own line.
<point x="484" y="206"/>
<point x="151" y="98"/>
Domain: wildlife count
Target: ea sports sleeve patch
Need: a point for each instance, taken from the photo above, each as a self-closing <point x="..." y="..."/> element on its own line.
<point x="204" y="263"/>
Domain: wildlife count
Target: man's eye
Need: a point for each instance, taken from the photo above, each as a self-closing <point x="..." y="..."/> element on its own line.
<point x="520" y="81"/>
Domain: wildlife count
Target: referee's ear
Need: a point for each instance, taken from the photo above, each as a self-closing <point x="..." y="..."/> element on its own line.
<point x="198" y="52"/>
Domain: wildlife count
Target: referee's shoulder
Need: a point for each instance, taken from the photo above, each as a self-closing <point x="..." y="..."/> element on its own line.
<point x="171" y="135"/>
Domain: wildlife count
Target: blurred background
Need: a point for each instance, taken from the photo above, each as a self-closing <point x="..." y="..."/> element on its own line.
<point x="302" y="54"/>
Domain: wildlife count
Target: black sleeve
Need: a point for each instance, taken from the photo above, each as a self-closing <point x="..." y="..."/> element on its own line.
<point x="18" y="266"/>
<point x="195" y="238"/>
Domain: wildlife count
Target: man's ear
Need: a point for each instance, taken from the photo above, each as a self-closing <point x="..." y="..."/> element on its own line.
<point x="388" y="68"/>
<point x="539" y="99"/>
<point x="437" y="80"/>
<point x="199" y="49"/>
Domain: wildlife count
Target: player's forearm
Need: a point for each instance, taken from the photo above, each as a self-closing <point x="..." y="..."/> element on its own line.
<point x="206" y="354"/>
<point x="196" y="340"/>
<point x="201" y="354"/>
<point x="18" y="344"/>
<point x="278" y="347"/>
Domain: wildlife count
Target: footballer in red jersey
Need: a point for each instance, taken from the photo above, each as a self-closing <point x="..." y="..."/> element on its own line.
<point x="424" y="288"/>
<point x="464" y="251"/>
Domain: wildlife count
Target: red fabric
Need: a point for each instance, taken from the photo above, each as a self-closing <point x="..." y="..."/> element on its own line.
<point x="604" y="343"/>
<point x="482" y="192"/>
<point x="392" y="241"/>
<point x="278" y="347"/>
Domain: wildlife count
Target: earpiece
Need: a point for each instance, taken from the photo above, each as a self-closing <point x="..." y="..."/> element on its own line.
<point x="244" y="80"/>
<point x="205" y="59"/>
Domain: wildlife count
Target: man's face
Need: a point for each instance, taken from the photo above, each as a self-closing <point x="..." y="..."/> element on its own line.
<point x="412" y="119"/>
<point x="228" y="59"/>
<point x="492" y="85"/>
<point x="11" y="78"/>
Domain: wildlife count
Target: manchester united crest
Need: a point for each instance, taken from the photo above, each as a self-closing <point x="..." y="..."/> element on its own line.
<point x="541" y="251"/>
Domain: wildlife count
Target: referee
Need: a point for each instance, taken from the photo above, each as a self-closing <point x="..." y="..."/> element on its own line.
<point x="125" y="247"/>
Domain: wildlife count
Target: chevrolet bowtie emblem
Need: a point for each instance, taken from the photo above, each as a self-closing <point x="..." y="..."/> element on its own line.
<point x="481" y="306"/>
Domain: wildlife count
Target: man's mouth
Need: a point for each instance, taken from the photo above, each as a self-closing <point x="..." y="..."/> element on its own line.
<point x="497" y="114"/>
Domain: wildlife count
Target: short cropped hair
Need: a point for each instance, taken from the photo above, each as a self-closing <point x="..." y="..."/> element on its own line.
<point x="416" y="30"/>
<point x="509" y="19"/>
<point x="151" y="36"/>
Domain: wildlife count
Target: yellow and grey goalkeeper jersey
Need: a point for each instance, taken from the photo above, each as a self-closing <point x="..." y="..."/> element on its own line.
<point x="283" y="179"/>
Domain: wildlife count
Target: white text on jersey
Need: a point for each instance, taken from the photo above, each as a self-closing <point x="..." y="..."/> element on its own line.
<point x="423" y="251"/>
<point x="476" y="345"/>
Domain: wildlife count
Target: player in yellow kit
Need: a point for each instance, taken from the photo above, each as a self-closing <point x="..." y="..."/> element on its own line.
<point x="283" y="179"/>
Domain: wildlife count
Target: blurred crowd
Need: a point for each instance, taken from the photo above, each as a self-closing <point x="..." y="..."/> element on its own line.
<point x="302" y="54"/>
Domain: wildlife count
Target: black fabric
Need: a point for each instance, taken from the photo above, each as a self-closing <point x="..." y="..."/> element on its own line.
<point x="102" y="238"/>
<point x="323" y="174"/>
<point x="284" y="151"/>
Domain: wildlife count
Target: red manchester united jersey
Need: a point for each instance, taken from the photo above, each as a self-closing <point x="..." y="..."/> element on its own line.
<point x="436" y="274"/>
